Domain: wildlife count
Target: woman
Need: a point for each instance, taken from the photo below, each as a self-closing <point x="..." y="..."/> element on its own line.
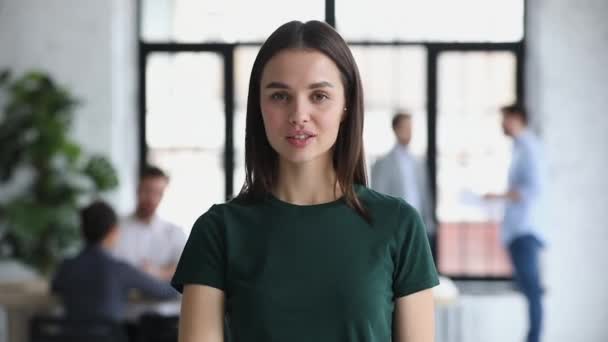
<point x="306" y="252"/>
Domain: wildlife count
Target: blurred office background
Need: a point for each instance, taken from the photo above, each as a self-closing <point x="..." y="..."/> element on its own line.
<point x="165" y="82"/>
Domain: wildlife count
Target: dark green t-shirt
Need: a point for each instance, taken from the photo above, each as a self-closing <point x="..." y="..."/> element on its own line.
<point x="309" y="273"/>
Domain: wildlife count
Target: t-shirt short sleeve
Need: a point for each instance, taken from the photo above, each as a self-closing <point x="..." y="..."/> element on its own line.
<point x="414" y="266"/>
<point x="203" y="260"/>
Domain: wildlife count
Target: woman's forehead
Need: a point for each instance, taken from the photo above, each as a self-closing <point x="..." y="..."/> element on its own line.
<point x="300" y="67"/>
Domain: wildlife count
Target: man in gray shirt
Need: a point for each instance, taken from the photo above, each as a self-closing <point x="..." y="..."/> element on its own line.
<point x="401" y="174"/>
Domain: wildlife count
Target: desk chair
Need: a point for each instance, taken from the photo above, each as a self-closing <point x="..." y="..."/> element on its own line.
<point x="61" y="329"/>
<point x="157" y="328"/>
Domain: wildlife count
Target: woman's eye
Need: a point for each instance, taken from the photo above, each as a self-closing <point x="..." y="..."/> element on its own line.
<point x="319" y="97"/>
<point x="279" y="97"/>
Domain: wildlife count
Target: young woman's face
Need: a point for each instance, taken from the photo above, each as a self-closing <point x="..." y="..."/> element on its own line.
<point x="302" y="102"/>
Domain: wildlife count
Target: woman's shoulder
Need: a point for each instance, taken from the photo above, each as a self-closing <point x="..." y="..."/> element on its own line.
<point x="374" y="198"/>
<point x="383" y="206"/>
<point x="219" y="213"/>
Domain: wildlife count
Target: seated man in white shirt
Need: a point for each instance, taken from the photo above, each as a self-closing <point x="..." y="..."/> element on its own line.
<point x="146" y="240"/>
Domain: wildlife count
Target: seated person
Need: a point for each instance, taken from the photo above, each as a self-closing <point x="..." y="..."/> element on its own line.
<point x="146" y="240"/>
<point x="95" y="285"/>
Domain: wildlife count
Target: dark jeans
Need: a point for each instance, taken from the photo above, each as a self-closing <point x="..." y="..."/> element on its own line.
<point x="524" y="256"/>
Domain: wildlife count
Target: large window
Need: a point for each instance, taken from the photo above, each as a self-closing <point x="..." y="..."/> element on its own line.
<point x="472" y="159"/>
<point x="394" y="78"/>
<point x="431" y="20"/>
<point x="184" y="130"/>
<point x="220" y="21"/>
<point x="451" y="64"/>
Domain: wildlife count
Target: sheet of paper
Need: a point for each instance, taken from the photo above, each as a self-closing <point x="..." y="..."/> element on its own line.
<point x="493" y="208"/>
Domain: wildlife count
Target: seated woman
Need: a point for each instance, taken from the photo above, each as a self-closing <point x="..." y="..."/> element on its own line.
<point x="95" y="285"/>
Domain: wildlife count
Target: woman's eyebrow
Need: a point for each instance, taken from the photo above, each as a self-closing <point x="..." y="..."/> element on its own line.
<point x="276" y="85"/>
<point x="279" y="85"/>
<point x="322" y="84"/>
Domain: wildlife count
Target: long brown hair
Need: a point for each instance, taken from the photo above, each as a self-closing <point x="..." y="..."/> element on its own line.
<point x="261" y="160"/>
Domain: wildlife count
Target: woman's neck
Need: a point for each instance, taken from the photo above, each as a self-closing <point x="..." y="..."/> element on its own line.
<point x="307" y="183"/>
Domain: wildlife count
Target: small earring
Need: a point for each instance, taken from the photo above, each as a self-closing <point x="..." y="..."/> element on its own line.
<point x="345" y="109"/>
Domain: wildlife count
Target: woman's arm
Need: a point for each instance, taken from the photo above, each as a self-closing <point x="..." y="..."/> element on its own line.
<point x="415" y="317"/>
<point x="202" y="314"/>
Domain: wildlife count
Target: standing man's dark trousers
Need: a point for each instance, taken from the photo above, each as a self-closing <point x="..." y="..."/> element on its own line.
<point x="524" y="256"/>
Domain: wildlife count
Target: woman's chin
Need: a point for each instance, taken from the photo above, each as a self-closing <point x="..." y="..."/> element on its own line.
<point x="302" y="159"/>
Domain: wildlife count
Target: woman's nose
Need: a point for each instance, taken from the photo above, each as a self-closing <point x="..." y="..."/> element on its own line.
<point x="299" y="113"/>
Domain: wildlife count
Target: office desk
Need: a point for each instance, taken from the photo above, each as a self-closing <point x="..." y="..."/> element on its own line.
<point x="23" y="300"/>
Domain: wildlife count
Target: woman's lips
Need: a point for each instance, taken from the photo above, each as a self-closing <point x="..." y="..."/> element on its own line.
<point x="300" y="139"/>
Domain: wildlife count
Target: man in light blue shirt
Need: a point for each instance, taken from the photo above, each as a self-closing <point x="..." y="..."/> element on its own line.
<point x="524" y="218"/>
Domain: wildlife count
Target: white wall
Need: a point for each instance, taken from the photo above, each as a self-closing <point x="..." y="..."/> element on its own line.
<point x="567" y="96"/>
<point x="567" y="90"/>
<point x="89" y="46"/>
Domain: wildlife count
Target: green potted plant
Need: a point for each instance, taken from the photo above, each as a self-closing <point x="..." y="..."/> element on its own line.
<point x="39" y="224"/>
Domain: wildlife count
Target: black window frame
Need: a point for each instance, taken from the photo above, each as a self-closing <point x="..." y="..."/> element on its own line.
<point x="226" y="51"/>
